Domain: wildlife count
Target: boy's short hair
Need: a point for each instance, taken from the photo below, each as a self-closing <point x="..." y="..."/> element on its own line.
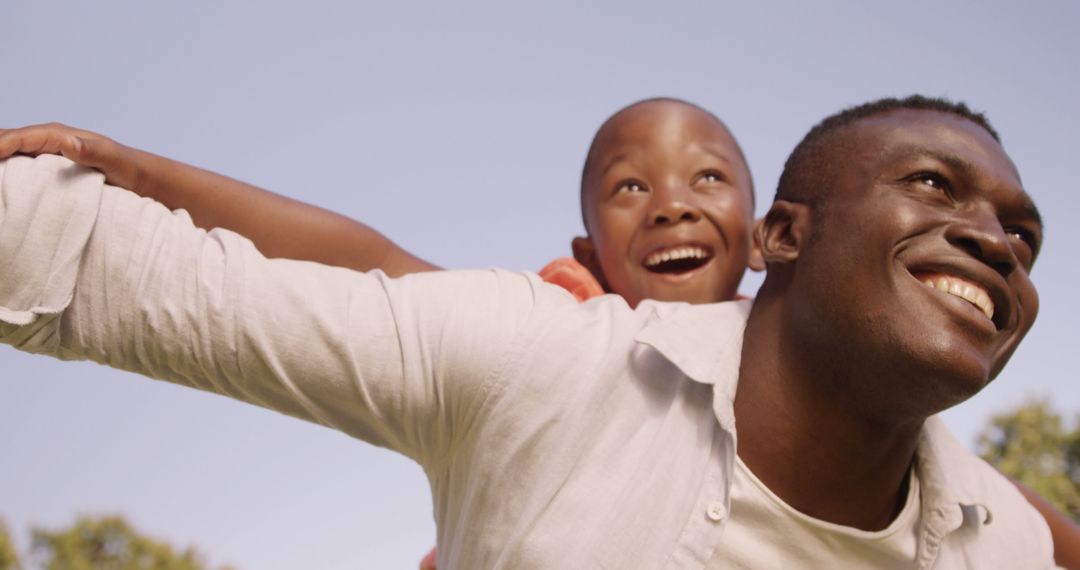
<point x="806" y="172"/>
<point x="592" y="145"/>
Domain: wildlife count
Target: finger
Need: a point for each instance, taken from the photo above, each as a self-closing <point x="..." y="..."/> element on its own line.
<point x="82" y="150"/>
<point x="79" y="146"/>
<point x="90" y="151"/>
<point x="35" y="140"/>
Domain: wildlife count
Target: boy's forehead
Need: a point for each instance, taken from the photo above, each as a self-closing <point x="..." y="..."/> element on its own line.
<point x="651" y="120"/>
<point x="657" y="124"/>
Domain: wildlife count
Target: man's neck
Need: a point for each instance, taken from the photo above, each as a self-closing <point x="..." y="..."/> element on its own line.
<point x="807" y="440"/>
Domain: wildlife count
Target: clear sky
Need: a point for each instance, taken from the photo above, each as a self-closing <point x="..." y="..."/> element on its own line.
<point x="459" y="129"/>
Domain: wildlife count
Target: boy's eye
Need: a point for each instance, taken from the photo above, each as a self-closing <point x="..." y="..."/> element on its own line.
<point x="630" y="186"/>
<point x="712" y="177"/>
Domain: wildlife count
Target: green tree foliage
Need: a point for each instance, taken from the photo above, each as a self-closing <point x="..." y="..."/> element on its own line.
<point x="9" y="559"/>
<point x="1034" y="446"/>
<point x="107" y="543"/>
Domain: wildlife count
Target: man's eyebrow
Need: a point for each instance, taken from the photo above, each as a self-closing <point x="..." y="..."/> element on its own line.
<point x="949" y="159"/>
<point x="1028" y="206"/>
<point x="1032" y="210"/>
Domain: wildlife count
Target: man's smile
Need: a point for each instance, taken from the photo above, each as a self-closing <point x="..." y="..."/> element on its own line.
<point x="962" y="288"/>
<point x="987" y="300"/>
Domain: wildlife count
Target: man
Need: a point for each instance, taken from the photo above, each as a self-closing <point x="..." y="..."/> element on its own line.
<point x="565" y="435"/>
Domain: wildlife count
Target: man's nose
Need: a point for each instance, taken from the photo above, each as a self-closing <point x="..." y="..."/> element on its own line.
<point x="979" y="233"/>
<point x="673" y="206"/>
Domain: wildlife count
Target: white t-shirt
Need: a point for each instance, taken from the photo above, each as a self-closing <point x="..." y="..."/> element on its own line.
<point x="766" y="532"/>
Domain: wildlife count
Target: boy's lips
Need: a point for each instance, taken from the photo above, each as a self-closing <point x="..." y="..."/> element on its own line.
<point x="677" y="259"/>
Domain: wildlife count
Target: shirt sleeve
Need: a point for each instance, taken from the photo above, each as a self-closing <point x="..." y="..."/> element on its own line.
<point x="95" y="272"/>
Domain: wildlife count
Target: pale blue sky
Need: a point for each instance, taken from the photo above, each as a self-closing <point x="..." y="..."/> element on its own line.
<point x="459" y="130"/>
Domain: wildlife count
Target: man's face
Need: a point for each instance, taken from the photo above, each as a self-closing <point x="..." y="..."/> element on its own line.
<point x="669" y="206"/>
<point x="920" y="255"/>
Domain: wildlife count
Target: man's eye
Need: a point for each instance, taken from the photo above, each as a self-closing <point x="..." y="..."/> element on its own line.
<point x="1018" y="234"/>
<point x="932" y="180"/>
<point x="630" y="186"/>
<point x="1025" y="245"/>
<point x="1023" y="236"/>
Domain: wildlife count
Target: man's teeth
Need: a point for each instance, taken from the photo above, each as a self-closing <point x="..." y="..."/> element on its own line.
<point x="966" y="290"/>
<point x="659" y="257"/>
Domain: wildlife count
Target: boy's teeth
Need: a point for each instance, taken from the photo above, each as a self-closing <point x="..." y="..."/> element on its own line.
<point x="966" y="290"/>
<point x="677" y="253"/>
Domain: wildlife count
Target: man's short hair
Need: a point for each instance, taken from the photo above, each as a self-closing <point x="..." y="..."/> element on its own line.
<point x="806" y="171"/>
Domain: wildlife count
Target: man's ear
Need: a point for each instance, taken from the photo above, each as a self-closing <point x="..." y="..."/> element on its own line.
<point x="780" y="235"/>
<point x="757" y="261"/>
<point x="585" y="254"/>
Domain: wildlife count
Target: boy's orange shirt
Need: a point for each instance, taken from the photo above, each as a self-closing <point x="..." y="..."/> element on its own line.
<point x="567" y="273"/>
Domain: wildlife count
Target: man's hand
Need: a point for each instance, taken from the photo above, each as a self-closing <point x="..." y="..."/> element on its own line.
<point x="118" y="162"/>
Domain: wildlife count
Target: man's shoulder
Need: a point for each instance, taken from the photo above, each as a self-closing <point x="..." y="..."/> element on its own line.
<point x="967" y="476"/>
<point x="996" y="515"/>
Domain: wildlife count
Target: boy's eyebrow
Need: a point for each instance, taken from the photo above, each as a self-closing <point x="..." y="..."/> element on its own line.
<point x="611" y="163"/>
<point x="720" y="152"/>
<point x="716" y="152"/>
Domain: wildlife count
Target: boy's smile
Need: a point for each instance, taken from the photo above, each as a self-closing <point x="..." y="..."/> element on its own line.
<point x="669" y="205"/>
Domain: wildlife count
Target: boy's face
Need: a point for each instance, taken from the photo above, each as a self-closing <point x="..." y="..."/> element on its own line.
<point x="668" y="205"/>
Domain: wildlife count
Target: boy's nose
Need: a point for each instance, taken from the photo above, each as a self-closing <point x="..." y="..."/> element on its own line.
<point x="674" y="212"/>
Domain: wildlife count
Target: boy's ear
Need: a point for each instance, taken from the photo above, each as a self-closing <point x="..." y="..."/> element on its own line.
<point x="780" y="235"/>
<point x="585" y="254"/>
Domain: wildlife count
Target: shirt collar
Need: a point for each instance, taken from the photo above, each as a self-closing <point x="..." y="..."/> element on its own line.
<point x="951" y="486"/>
<point x="705" y="343"/>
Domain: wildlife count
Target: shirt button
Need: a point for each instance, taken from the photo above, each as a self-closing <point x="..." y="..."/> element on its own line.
<point x="716" y="511"/>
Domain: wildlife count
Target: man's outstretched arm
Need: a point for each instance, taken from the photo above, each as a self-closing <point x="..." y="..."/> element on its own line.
<point x="95" y="272"/>
<point x="279" y="226"/>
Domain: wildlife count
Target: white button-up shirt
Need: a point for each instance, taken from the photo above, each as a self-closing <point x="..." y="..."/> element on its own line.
<point x="554" y="435"/>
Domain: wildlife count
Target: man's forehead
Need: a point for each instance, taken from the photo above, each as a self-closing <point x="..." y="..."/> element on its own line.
<point x="954" y="141"/>
<point x="923" y="124"/>
<point x="944" y="136"/>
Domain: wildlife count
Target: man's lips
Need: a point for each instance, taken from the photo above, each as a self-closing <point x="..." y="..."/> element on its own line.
<point x="962" y="288"/>
<point x="978" y="296"/>
<point x="677" y="258"/>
